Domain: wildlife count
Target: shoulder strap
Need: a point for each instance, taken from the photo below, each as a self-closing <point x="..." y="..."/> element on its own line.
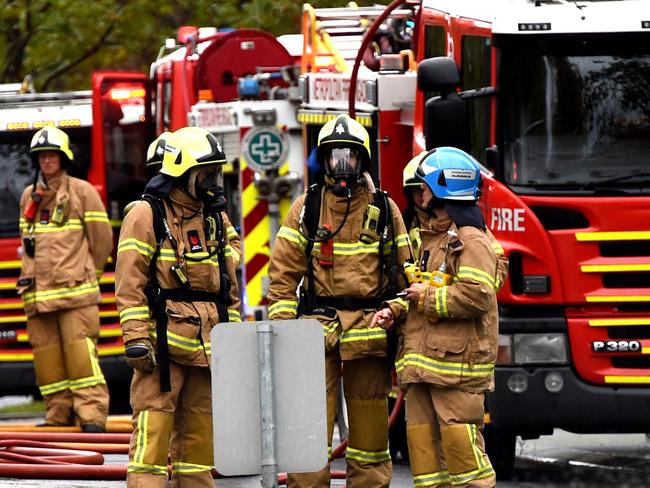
<point x="381" y="202"/>
<point x="312" y="215"/>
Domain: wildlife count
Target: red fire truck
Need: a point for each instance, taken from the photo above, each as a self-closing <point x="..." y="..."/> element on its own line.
<point x="107" y="132"/>
<point x="553" y="98"/>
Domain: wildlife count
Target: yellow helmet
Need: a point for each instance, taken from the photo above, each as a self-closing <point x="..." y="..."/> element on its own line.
<point x="156" y="150"/>
<point x="188" y="148"/>
<point x="408" y="175"/>
<point x="51" y="138"/>
<point x="344" y="131"/>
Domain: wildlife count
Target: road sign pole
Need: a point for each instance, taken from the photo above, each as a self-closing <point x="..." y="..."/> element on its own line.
<point x="267" y="407"/>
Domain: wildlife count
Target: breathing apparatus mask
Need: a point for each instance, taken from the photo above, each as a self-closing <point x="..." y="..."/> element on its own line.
<point x="206" y="184"/>
<point x="343" y="168"/>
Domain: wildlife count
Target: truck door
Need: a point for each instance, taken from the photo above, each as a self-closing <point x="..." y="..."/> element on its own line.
<point x="122" y="129"/>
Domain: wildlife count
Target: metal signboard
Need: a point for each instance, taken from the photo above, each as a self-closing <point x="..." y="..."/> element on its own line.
<point x="298" y="375"/>
<point x="265" y="148"/>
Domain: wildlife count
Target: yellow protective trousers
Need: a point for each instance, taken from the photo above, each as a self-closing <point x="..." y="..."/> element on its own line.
<point x="176" y="424"/>
<point x="366" y="385"/>
<point x="446" y="447"/>
<point x="66" y="365"/>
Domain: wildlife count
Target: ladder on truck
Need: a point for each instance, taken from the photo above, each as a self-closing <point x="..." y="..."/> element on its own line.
<point x="332" y="36"/>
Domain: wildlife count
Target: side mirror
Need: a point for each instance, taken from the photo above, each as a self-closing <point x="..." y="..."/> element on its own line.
<point x="493" y="159"/>
<point x="438" y="74"/>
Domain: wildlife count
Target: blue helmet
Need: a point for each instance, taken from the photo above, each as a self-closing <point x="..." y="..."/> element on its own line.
<point x="450" y="173"/>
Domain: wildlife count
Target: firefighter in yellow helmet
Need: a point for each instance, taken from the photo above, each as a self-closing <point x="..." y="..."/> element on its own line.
<point x="414" y="214"/>
<point x="346" y="242"/>
<point x="66" y="240"/>
<point x="155" y="153"/>
<point x="175" y="280"/>
<point x="449" y="329"/>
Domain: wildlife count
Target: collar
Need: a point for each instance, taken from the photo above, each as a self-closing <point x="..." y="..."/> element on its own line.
<point x="184" y="202"/>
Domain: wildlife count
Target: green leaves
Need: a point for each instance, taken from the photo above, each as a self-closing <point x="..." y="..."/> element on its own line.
<point x="60" y="42"/>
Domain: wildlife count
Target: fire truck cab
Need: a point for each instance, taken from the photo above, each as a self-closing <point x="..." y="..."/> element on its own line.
<point x="552" y="96"/>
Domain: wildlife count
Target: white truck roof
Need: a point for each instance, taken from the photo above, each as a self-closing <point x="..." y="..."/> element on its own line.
<point x="551" y="16"/>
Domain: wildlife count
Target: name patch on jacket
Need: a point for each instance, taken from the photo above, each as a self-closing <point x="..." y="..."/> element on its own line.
<point x="194" y="241"/>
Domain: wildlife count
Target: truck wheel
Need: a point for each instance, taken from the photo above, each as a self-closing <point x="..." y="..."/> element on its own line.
<point x="500" y="447"/>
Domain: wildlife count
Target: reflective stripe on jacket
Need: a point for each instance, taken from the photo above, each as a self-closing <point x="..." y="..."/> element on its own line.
<point x="450" y="337"/>
<point x="354" y="271"/>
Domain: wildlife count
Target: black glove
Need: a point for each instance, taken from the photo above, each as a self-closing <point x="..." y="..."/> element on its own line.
<point x="140" y="355"/>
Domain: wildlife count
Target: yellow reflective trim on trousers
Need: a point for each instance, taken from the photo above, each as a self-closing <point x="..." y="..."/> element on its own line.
<point x="444" y="367"/>
<point x="290" y="306"/>
<point x="181" y="467"/>
<point x="141" y="441"/>
<point x="134" y="313"/>
<point x="478" y="456"/>
<point x="292" y="235"/>
<point x="132" y="244"/>
<point x="92" y="354"/>
<point x="43" y="296"/>
<point x="134" y="467"/>
<point x="431" y="479"/>
<point x="476" y="274"/>
<point x="86" y="382"/>
<point x="365" y="334"/>
<point x="233" y="316"/>
<point x="441" y="301"/>
<point x="52" y="388"/>
<point x="367" y="456"/>
<point x="476" y="474"/>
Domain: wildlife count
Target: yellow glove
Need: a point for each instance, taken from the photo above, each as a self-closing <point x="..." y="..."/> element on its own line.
<point x="140" y="355"/>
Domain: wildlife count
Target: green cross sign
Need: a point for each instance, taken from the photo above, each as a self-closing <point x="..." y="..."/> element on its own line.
<point x="265" y="148"/>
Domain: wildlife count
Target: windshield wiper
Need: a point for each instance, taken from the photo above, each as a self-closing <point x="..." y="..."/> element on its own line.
<point x="614" y="179"/>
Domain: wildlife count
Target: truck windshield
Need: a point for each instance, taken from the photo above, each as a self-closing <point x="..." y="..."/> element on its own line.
<point x="575" y="122"/>
<point x="16" y="170"/>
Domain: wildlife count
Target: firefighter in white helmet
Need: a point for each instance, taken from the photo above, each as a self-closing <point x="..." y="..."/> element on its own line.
<point x="449" y="330"/>
<point x="347" y="243"/>
<point x="66" y="240"/>
<point x="175" y="280"/>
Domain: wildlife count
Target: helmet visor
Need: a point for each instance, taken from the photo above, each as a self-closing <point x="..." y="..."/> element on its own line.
<point x="342" y="161"/>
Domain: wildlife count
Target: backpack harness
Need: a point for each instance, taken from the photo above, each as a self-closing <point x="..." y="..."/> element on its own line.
<point x="309" y="301"/>
<point x="158" y="296"/>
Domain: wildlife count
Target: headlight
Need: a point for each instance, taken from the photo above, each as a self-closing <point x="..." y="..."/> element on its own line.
<point x="547" y="348"/>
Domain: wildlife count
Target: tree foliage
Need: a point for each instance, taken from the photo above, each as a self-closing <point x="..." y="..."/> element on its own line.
<point x="60" y="42"/>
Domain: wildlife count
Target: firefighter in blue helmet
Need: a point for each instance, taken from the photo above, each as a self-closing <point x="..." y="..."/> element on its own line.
<point x="449" y="329"/>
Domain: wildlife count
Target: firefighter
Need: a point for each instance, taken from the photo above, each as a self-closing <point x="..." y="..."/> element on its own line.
<point x="347" y="240"/>
<point x="449" y="331"/>
<point x="155" y="153"/>
<point x="66" y="240"/>
<point x="175" y="280"/>
<point x="414" y="214"/>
